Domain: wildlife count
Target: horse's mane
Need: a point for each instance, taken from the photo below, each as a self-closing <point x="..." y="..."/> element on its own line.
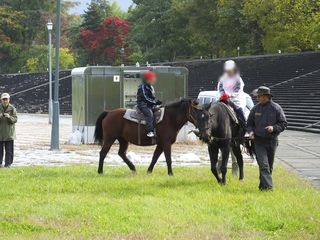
<point x="178" y="104"/>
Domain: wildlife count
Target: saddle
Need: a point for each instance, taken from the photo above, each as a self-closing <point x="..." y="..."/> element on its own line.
<point x="231" y="112"/>
<point x="135" y="115"/>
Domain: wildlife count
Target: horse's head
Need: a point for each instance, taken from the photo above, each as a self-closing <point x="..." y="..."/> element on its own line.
<point x="200" y="119"/>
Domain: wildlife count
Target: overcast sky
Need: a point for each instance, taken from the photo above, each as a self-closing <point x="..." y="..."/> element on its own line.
<point x="124" y="4"/>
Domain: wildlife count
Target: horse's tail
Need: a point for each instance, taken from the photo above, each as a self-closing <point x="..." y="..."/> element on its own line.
<point x="98" y="132"/>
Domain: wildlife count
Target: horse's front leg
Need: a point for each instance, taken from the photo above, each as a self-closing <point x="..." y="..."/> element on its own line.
<point x="155" y="158"/>
<point x="225" y="152"/>
<point x="213" y="153"/>
<point x="167" y="154"/>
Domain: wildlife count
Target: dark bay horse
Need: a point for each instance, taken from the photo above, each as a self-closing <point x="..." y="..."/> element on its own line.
<point x="111" y="126"/>
<point x="224" y="135"/>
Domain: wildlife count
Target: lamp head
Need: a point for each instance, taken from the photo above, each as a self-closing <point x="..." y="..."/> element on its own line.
<point x="49" y="25"/>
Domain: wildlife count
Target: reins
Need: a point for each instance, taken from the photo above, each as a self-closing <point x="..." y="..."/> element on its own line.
<point x="190" y="117"/>
<point x="212" y="138"/>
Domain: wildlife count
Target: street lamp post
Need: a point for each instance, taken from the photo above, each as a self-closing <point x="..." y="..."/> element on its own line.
<point x="49" y="27"/>
<point x="238" y="49"/>
<point x="122" y="52"/>
<point x="56" y="111"/>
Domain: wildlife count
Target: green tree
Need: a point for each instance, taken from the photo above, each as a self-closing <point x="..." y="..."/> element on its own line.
<point x="98" y="10"/>
<point x="38" y="59"/>
<point x="151" y="29"/>
<point x="11" y="37"/>
<point x="287" y="25"/>
<point x="179" y="39"/>
<point x="212" y="28"/>
<point x="136" y="54"/>
<point x="202" y="27"/>
<point x="67" y="59"/>
<point x="11" y="25"/>
<point x="32" y="65"/>
<point x="235" y="30"/>
<point x="37" y="13"/>
<point x="117" y="11"/>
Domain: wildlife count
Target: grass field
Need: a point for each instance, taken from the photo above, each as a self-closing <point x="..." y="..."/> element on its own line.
<point x="76" y="203"/>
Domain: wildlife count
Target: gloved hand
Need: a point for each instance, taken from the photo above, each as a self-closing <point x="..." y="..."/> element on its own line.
<point x="6" y="115"/>
<point x="159" y="102"/>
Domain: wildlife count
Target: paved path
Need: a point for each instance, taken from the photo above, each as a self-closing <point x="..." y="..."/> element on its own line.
<point x="301" y="151"/>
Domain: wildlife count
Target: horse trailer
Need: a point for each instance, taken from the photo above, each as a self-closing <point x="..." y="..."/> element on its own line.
<point x="102" y="88"/>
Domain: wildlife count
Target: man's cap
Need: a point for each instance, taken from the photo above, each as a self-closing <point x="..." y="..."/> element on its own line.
<point x="262" y="91"/>
<point x="5" y="95"/>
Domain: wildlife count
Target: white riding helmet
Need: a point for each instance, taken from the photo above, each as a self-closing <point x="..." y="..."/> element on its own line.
<point x="230" y="65"/>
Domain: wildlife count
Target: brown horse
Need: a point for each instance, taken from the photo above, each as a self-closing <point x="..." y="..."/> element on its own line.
<point x="111" y="126"/>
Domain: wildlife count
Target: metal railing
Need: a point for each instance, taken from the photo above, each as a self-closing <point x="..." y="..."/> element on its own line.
<point x="311" y="125"/>
<point x="38" y="86"/>
<point x="292" y="79"/>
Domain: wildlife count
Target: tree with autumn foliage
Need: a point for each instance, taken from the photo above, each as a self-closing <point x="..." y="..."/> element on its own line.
<point x="108" y="43"/>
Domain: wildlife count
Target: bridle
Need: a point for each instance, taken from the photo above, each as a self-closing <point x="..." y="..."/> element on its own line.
<point x="190" y="116"/>
<point x="194" y="120"/>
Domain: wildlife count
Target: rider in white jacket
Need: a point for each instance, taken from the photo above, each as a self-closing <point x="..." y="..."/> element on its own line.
<point x="230" y="88"/>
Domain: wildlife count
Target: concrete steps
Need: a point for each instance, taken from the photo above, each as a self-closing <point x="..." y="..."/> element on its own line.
<point x="300" y="100"/>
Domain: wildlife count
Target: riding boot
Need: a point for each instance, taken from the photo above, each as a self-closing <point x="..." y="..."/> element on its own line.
<point x="242" y="120"/>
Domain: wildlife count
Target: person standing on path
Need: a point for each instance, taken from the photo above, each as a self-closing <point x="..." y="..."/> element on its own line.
<point x="266" y="121"/>
<point x="8" y="118"/>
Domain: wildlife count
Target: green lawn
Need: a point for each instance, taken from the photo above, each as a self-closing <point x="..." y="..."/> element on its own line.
<point x="77" y="203"/>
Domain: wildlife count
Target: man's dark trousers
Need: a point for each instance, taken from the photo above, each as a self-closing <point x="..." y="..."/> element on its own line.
<point x="147" y="112"/>
<point x="265" y="152"/>
<point x="8" y="146"/>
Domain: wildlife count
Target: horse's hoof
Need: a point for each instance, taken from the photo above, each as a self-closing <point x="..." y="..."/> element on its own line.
<point x="221" y="182"/>
<point x="100" y="172"/>
<point x="170" y="174"/>
<point x="149" y="171"/>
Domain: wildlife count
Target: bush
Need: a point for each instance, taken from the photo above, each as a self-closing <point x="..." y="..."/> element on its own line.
<point x="38" y="60"/>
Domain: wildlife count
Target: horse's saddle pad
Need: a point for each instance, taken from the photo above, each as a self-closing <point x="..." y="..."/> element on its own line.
<point x="135" y="115"/>
<point x="231" y="112"/>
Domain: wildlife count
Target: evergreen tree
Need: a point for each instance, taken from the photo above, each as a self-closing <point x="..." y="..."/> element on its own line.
<point x="97" y="12"/>
<point x="151" y="28"/>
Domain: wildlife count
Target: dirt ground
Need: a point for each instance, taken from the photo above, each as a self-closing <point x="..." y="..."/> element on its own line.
<point x="33" y="143"/>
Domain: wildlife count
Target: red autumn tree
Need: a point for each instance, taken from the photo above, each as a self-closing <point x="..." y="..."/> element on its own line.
<point x="107" y="44"/>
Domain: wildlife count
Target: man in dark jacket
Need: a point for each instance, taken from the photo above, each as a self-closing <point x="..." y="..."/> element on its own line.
<point x="146" y="100"/>
<point x="266" y="121"/>
<point x="8" y="118"/>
